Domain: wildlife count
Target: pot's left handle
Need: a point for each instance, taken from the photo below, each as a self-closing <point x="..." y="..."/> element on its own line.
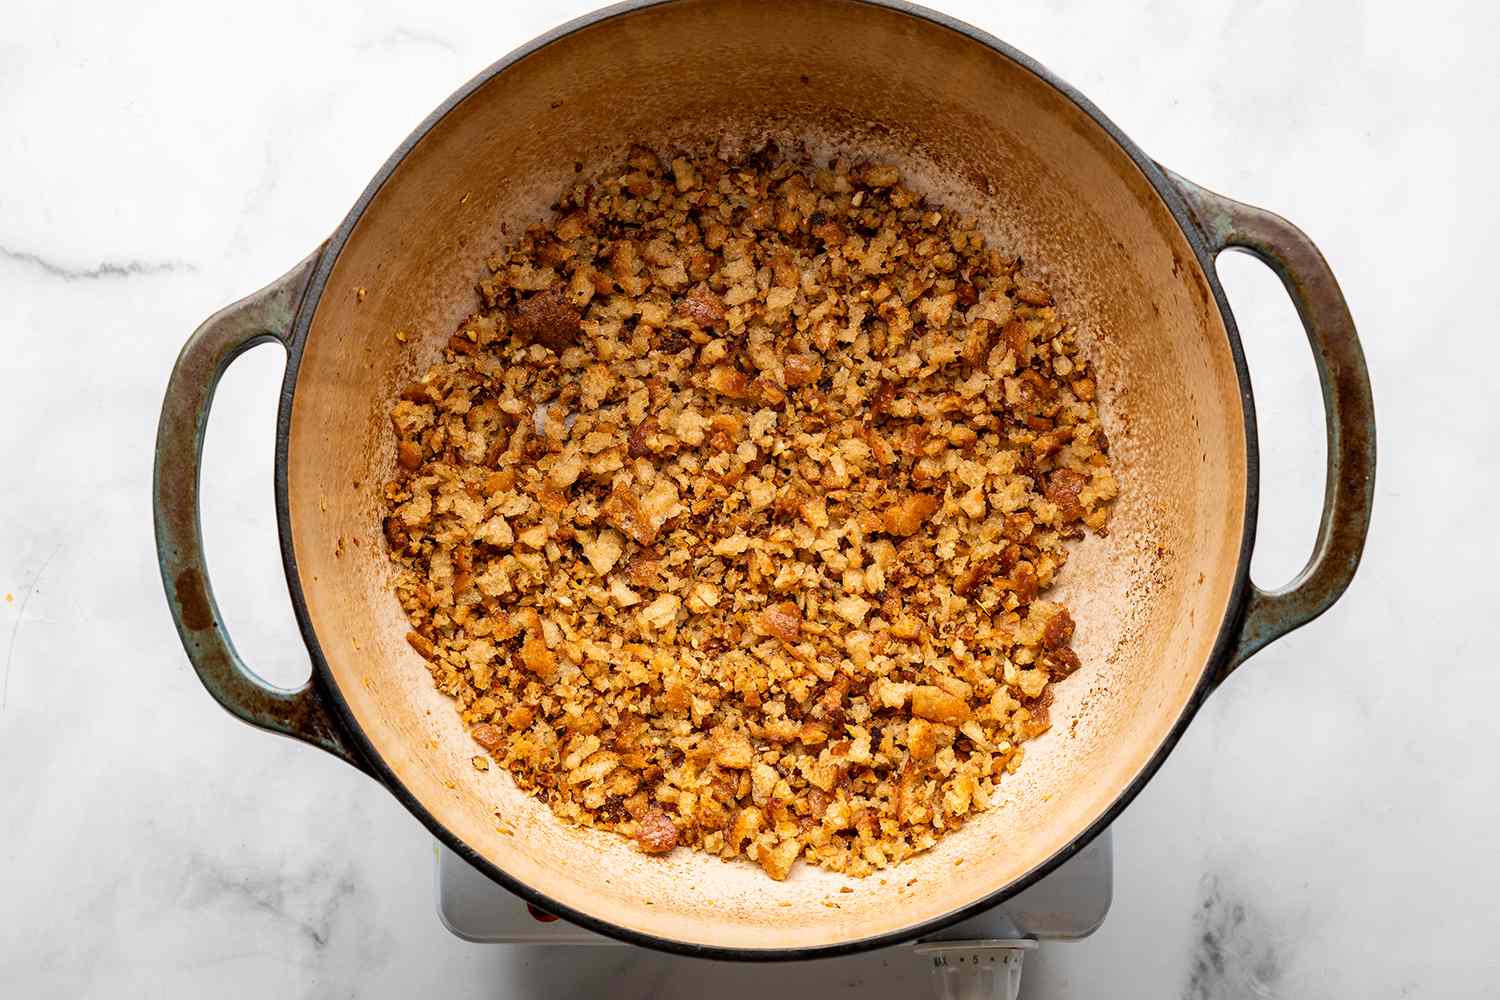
<point x="302" y="713"/>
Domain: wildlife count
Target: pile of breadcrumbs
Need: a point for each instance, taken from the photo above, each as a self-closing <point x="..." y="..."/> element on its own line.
<point x="725" y="520"/>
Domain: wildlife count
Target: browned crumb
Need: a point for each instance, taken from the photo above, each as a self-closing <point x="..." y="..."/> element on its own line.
<point x="726" y="520"/>
<point x="655" y="832"/>
<point x="547" y="318"/>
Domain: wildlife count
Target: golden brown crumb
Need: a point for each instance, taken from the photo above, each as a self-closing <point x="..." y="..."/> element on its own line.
<point x="907" y="515"/>
<point x="777" y="861"/>
<point x="488" y="737"/>
<point x="725" y="522"/>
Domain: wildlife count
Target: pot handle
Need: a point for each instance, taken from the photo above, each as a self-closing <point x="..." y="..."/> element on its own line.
<point x="1227" y="224"/>
<point x="302" y="713"/>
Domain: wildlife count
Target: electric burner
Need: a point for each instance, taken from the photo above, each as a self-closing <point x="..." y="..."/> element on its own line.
<point x="978" y="958"/>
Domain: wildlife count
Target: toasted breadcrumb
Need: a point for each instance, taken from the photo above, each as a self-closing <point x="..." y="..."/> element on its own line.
<point x="726" y="520"/>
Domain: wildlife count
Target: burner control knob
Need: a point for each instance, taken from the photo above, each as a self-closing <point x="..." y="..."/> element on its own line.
<point x="976" y="970"/>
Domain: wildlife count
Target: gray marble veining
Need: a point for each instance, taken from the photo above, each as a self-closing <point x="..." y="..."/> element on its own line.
<point x="104" y="269"/>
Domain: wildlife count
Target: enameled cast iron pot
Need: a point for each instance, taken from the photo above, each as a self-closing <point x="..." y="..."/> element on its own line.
<point x="1164" y="604"/>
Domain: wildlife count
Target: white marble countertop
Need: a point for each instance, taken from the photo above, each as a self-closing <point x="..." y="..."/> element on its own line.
<point x="1326" y="828"/>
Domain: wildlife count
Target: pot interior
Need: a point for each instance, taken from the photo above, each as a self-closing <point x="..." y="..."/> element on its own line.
<point x="969" y="126"/>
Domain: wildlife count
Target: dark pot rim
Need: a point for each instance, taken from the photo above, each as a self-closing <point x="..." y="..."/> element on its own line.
<point x="1223" y="642"/>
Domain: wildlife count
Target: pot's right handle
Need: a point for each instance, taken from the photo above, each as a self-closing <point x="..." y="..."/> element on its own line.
<point x="1350" y="492"/>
